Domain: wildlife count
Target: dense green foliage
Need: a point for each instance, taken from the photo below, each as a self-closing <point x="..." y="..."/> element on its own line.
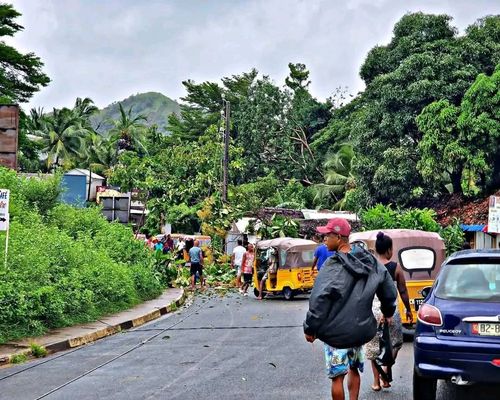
<point x="426" y="61"/>
<point x="463" y="138"/>
<point x="21" y="75"/>
<point x="47" y="282"/>
<point x="387" y="217"/>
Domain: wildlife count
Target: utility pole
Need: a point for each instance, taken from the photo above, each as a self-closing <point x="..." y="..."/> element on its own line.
<point x="225" y="162"/>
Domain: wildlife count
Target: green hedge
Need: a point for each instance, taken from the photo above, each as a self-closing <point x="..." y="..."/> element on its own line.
<point x="66" y="265"/>
<point x="386" y="217"/>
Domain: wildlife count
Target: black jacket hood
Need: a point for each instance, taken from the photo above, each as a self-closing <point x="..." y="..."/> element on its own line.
<point x="358" y="262"/>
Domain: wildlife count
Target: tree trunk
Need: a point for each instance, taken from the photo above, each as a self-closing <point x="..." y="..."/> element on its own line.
<point x="494" y="182"/>
<point x="456" y="181"/>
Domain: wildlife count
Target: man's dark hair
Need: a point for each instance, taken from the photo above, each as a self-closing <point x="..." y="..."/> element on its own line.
<point x="240" y="242"/>
<point x="466" y="246"/>
<point x="383" y="243"/>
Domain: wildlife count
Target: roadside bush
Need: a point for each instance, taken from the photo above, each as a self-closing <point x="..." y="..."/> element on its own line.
<point x="66" y="267"/>
<point x="385" y="217"/>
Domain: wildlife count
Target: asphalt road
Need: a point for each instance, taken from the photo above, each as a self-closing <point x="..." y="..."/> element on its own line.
<point x="219" y="347"/>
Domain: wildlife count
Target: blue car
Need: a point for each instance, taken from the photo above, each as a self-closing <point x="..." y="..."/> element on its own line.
<point x="457" y="337"/>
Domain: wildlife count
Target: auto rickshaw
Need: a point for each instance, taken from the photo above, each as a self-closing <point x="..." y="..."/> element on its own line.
<point x="286" y="266"/>
<point x="420" y="255"/>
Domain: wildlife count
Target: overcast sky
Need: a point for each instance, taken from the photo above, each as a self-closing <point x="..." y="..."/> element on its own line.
<point x="110" y="49"/>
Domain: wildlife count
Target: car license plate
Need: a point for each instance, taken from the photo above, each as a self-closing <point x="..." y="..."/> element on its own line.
<point x="417" y="303"/>
<point x="486" y="329"/>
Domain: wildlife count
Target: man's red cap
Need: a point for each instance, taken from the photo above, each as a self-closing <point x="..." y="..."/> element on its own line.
<point x="336" y="225"/>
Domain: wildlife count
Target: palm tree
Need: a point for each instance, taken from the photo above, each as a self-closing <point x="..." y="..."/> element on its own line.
<point x="84" y="109"/>
<point x="128" y="133"/>
<point x="338" y="178"/>
<point x="61" y="135"/>
<point x="99" y="153"/>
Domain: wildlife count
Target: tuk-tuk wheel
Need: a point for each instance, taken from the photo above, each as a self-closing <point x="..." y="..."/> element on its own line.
<point x="256" y="292"/>
<point x="288" y="293"/>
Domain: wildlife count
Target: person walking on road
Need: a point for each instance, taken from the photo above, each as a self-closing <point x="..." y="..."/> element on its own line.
<point x="196" y="260"/>
<point x="340" y="306"/>
<point x="247" y="268"/>
<point x="383" y="247"/>
<point x="236" y="261"/>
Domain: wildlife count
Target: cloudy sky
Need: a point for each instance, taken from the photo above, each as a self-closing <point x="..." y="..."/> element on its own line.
<point x="110" y="49"/>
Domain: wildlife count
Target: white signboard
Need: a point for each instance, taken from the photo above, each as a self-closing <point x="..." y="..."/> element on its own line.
<point x="4" y="209"/>
<point x="494" y="215"/>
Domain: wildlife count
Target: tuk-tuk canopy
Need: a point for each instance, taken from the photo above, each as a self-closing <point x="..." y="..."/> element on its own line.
<point x="403" y="238"/>
<point x="291" y="245"/>
<point x="292" y="252"/>
<point x="419" y="253"/>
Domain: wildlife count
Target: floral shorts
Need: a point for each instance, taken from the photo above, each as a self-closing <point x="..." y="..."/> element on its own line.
<point x="338" y="361"/>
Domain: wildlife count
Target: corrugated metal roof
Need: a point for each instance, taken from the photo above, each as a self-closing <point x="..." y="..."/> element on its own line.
<point x="473" y="228"/>
<point x="86" y="172"/>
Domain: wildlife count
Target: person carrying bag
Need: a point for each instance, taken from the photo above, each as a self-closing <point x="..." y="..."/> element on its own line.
<point x="385" y="356"/>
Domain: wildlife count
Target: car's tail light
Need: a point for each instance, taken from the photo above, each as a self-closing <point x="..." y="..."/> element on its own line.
<point x="496" y="362"/>
<point x="429" y="315"/>
<point x="299" y="277"/>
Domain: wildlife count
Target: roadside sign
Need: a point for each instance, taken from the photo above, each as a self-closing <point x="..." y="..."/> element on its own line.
<point x="494" y="215"/>
<point x="4" y="209"/>
<point x="4" y="223"/>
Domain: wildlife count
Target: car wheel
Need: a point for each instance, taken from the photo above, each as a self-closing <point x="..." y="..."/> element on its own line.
<point x="288" y="293"/>
<point x="256" y="292"/>
<point x="423" y="388"/>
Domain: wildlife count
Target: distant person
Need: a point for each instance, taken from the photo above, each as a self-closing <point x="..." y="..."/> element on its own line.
<point x="237" y="260"/>
<point x="340" y="306"/>
<point x="158" y="245"/>
<point x="196" y="262"/>
<point x="149" y="241"/>
<point x="466" y="246"/>
<point x="179" y="248"/>
<point x="321" y="254"/>
<point x="247" y="268"/>
<point x="383" y="248"/>
<point x="168" y="244"/>
<point x="272" y="264"/>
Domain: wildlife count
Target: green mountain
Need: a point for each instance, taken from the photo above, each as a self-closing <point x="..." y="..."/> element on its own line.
<point x="156" y="107"/>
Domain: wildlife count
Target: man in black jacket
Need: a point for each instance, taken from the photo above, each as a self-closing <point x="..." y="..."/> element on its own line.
<point x="340" y="306"/>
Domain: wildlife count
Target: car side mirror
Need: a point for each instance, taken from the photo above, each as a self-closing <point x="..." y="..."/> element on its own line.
<point x="425" y="291"/>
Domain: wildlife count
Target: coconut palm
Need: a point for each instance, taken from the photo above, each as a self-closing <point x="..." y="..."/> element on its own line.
<point x="100" y="153"/>
<point x="128" y="132"/>
<point x="338" y="178"/>
<point x="84" y="109"/>
<point x="61" y="135"/>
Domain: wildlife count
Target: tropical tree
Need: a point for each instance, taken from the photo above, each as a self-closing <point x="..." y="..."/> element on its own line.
<point x="425" y="61"/>
<point x="128" y="132"/>
<point x="338" y="179"/>
<point x="463" y="138"/>
<point x="61" y="136"/>
<point x="83" y="110"/>
<point x="100" y="154"/>
<point x="20" y="74"/>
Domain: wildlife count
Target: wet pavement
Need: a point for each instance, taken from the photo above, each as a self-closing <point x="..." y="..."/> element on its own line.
<point x="218" y="347"/>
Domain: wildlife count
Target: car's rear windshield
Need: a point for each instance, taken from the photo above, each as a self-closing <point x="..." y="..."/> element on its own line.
<point x="476" y="280"/>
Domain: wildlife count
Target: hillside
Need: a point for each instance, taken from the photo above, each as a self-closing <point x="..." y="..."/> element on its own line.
<point x="155" y="106"/>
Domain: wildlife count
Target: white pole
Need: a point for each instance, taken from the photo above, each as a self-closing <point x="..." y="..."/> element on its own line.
<point x="6" y="247"/>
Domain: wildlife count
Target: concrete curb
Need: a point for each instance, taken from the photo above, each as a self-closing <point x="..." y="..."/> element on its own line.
<point x="97" y="334"/>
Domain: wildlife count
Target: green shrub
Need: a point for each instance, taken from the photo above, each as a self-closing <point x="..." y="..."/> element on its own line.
<point x="19" y="358"/>
<point x="68" y="266"/>
<point x="38" y="351"/>
<point x="385" y="217"/>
